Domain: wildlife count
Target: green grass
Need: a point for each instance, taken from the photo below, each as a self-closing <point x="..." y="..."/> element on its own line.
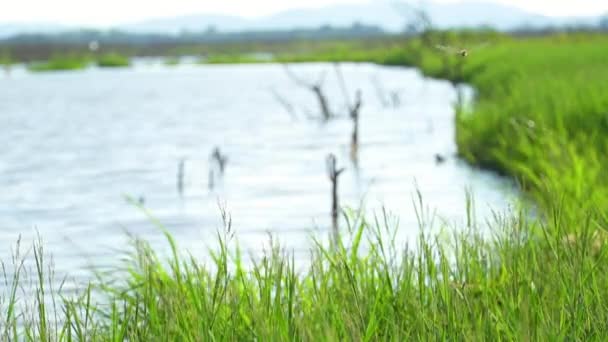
<point x="61" y="62"/>
<point x="113" y="60"/>
<point x="531" y="281"/>
<point x="171" y="61"/>
<point x="6" y="59"/>
<point x="541" y="116"/>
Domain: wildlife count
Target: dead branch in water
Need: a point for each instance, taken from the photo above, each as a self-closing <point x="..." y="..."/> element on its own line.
<point x="217" y="162"/>
<point x="180" y="176"/>
<point x="289" y="108"/>
<point x="220" y="159"/>
<point x="392" y="99"/>
<point x="354" y="115"/>
<point x="316" y="88"/>
<point x="333" y="174"/>
<point x="395" y="98"/>
<point x="353" y="112"/>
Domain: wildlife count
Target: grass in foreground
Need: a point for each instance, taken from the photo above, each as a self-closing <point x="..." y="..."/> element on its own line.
<point x="5" y="59"/>
<point x="530" y="281"/>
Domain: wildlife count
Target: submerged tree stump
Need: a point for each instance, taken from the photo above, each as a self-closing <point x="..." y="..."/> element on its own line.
<point x="334" y="173"/>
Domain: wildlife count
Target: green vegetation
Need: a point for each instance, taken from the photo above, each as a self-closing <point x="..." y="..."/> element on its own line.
<point x="61" y="62"/>
<point x="79" y="61"/>
<point x="113" y="60"/>
<point x="6" y="59"/>
<point x="248" y="58"/>
<point x="172" y="61"/>
<point x="530" y="282"/>
<point x="540" y="116"/>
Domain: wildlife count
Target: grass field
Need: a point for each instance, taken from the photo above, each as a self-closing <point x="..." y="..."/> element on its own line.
<point x="540" y="116"/>
<point x="529" y="282"/>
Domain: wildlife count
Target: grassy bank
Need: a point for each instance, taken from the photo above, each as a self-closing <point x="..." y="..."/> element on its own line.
<point x="61" y="62"/>
<point x="530" y="282"/>
<point x="541" y="116"/>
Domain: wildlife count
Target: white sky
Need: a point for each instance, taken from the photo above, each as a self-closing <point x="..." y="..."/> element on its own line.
<point x="109" y="12"/>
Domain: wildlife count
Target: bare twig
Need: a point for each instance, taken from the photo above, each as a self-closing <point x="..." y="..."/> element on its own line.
<point x="354" y="115"/>
<point x="322" y="102"/>
<point x="289" y="108"/>
<point x="316" y="88"/>
<point x="418" y="19"/>
<point x="220" y="159"/>
<point x="395" y="98"/>
<point x="180" y="176"/>
<point x="300" y="82"/>
<point x="333" y="173"/>
<point x="217" y="162"/>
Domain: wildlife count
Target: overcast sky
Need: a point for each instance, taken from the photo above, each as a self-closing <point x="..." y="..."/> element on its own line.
<point x="110" y="12"/>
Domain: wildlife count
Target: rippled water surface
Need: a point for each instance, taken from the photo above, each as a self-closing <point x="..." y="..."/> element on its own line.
<point x="74" y="144"/>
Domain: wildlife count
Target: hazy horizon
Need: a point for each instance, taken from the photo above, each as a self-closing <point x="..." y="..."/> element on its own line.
<point x="103" y="14"/>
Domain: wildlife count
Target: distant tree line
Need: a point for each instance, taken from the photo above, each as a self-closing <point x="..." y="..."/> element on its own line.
<point x="211" y="35"/>
<point x="39" y="46"/>
<point x="601" y="26"/>
<point x="27" y="47"/>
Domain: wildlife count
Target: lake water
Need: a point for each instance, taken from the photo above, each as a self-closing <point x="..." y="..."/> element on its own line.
<point x="74" y="144"/>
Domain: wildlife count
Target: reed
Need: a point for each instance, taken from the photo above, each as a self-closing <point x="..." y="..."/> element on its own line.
<point x="527" y="280"/>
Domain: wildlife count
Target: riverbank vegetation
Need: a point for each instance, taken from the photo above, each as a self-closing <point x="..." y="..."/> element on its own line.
<point x="540" y="117"/>
<point x="61" y="62"/>
<point x="113" y="60"/>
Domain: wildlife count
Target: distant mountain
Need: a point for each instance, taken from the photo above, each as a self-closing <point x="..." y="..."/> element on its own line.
<point x="472" y="14"/>
<point x="193" y="23"/>
<point x="390" y="15"/>
<point x="11" y="29"/>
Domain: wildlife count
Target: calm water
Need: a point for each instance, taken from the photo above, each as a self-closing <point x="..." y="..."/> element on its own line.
<point x="74" y="144"/>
